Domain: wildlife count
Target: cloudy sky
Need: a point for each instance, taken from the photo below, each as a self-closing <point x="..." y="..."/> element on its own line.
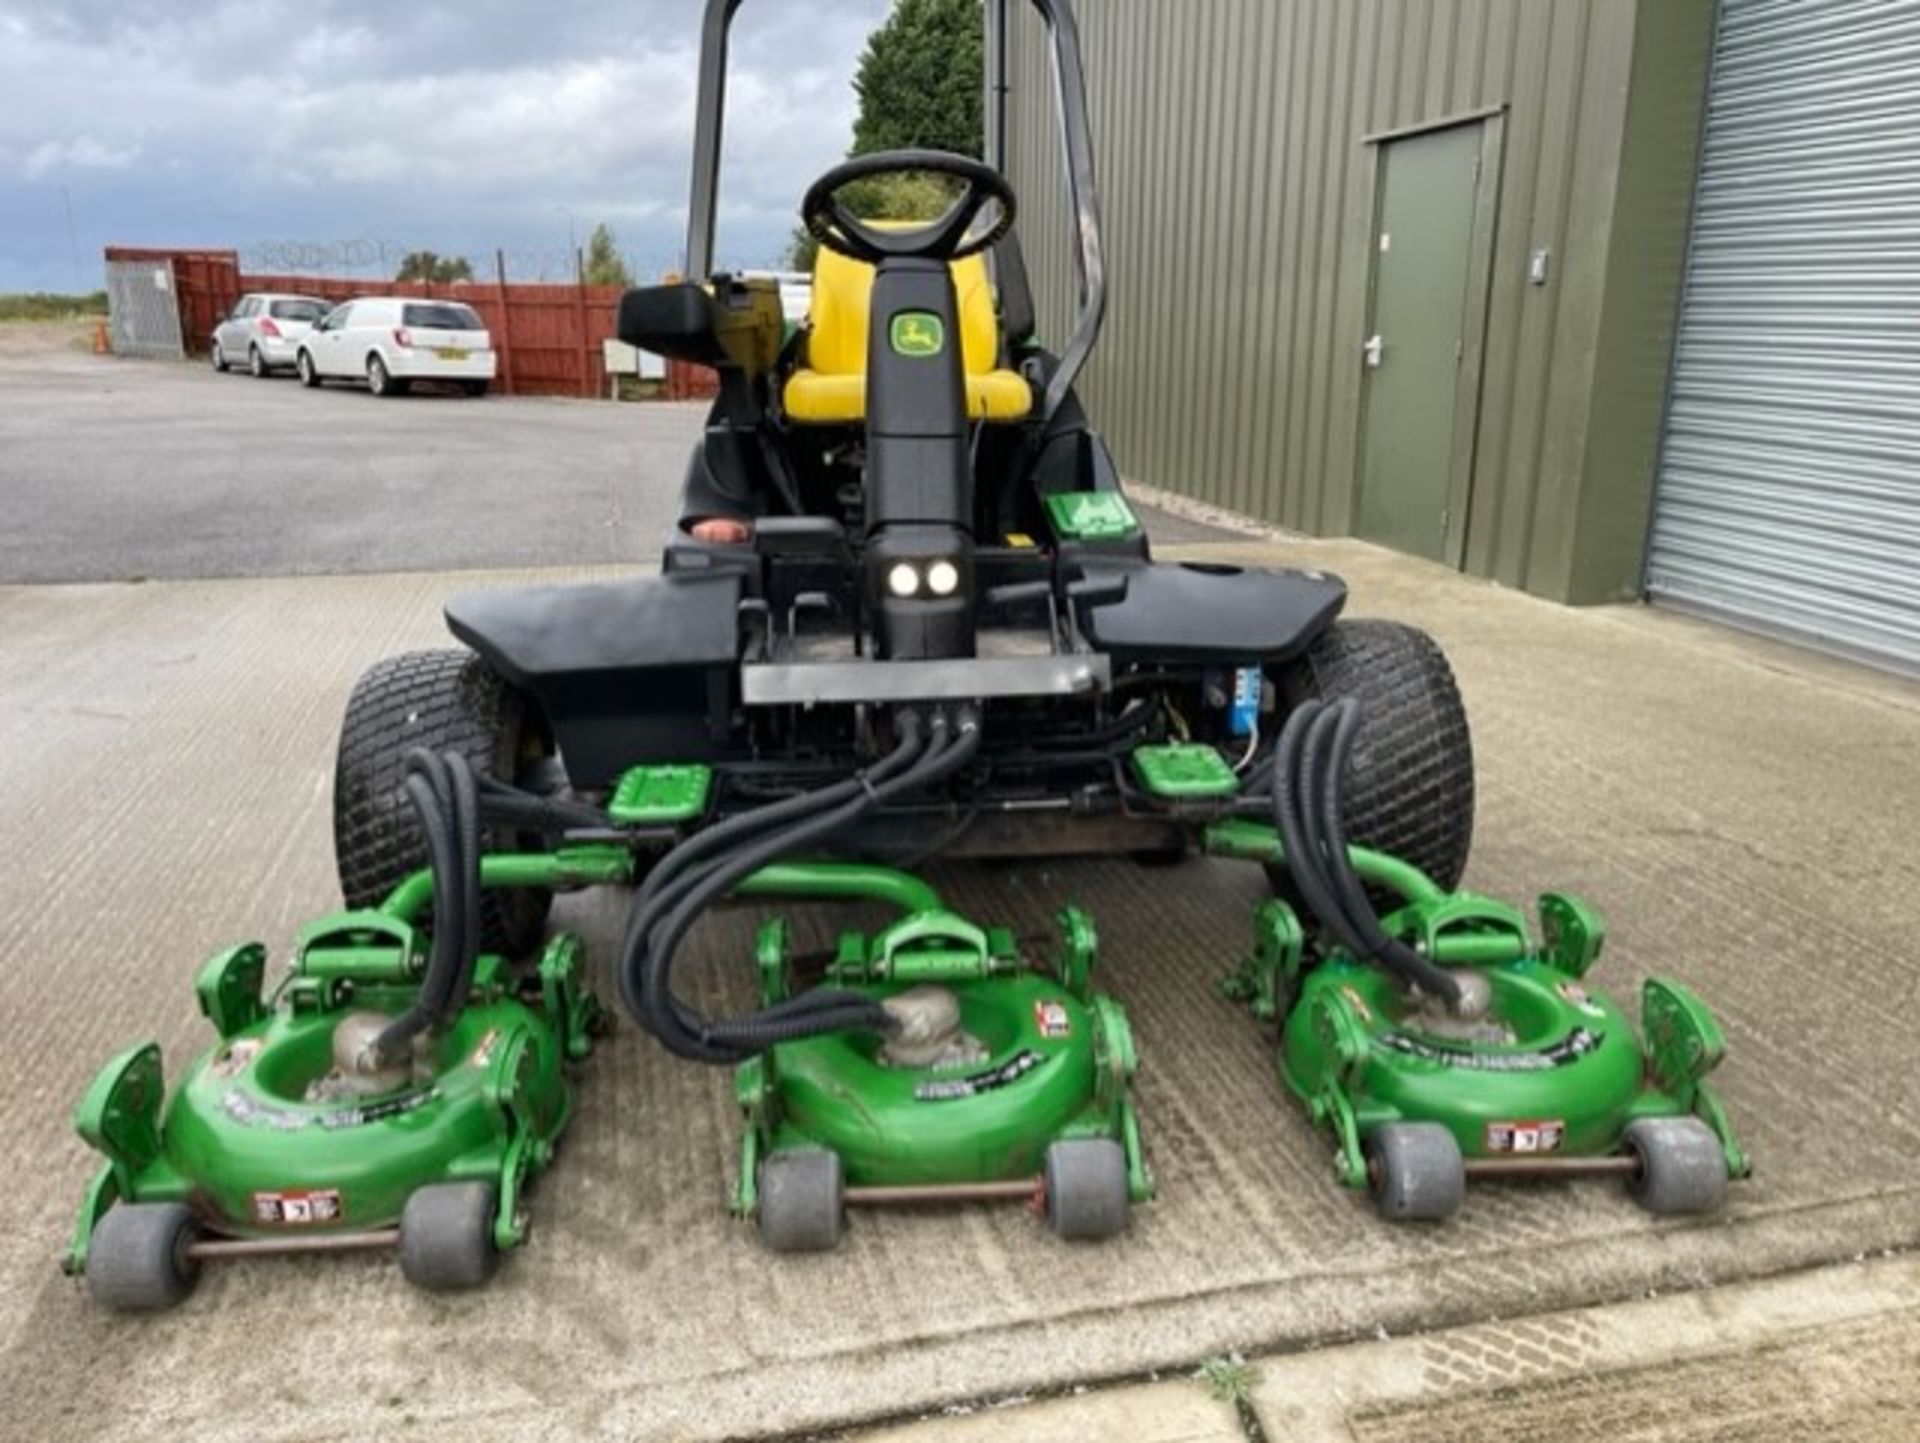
<point x="451" y="125"/>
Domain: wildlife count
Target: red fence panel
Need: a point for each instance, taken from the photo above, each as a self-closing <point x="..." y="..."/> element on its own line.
<point x="549" y="336"/>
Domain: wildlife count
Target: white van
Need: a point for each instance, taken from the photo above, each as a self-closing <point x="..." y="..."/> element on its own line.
<point x="392" y="341"/>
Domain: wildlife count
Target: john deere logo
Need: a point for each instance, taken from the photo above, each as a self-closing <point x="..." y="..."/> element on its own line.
<point x="918" y="333"/>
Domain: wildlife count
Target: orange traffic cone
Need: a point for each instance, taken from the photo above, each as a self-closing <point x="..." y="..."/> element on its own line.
<point x="101" y="346"/>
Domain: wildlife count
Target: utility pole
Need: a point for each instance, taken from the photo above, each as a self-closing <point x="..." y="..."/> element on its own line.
<point x="73" y="241"/>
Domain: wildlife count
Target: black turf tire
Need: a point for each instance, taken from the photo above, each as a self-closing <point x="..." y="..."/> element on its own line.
<point x="474" y="388"/>
<point x="445" y="701"/>
<point x="137" y="1259"/>
<point x="1410" y="783"/>
<point x="306" y="370"/>
<point x="446" y="1236"/>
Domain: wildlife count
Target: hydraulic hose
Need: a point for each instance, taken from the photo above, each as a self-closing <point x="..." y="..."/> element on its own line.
<point x="646" y="965"/>
<point x="679" y="870"/>
<point x="1302" y="858"/>
<point x="446" y="807"/>
<point x="686" y="1032"/>
<point x="1328" y="747"/>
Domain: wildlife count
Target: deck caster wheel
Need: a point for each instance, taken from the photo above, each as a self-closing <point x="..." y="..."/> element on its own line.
<point x="446" y="1236"/>
<point x="1086" y="1181"/>
<point x="1415" y="1171"/>
<point x="802" y="1200"/>
<point x="137" y="1260"/>
<point x="1683" y="1168"/>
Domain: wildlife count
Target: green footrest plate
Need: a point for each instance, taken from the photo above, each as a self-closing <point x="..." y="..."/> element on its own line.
<point x="1184" y="769"/>
<point x="659" y="796"/>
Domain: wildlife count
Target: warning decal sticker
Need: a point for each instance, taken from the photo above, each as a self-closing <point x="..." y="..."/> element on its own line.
<point x="1538" y="1135"/>
<point x="1051" y="1017"/>
<point x="299" y="1207"/>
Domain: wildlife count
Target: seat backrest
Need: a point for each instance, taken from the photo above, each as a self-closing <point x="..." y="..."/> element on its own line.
<point x="837" y="315"/>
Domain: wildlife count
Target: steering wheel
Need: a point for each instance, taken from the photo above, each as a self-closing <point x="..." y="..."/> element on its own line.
<point x="945" y="239"/>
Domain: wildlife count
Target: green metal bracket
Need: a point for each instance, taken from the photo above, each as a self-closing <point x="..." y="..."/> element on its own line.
<point x="119" y="1115"/>
<point x="359" y="947"/>
<point x="1257" y="842"/>
<point x="842" y="879"/>
<point x="932" y="946"/>
<point x="1464" y="928"/>
<point x="505" y="1088"/>
<point x="758" y="1099"/>
<point x="660" y="796"/>
<point x="1331" y="1107"/>
<point x="1079" y="946"/>
<point x="569" y="867"/>
<point x="1114" y="1058"/>
<point x="1684" y="1043"/>
<point x="1266" y="976"/>
<point x="1091" y="516"/>
<point x="1341" y="1034"/>
<point x="1573" y="931"/>
<point x="229" y="988"/>
<point x="576" y="1013"/>
<point x="770" y="957"/>
<point x="1140" y="1188"/>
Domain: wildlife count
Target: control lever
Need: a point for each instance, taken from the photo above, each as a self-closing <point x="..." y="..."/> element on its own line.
<point x="1092" y="591"/>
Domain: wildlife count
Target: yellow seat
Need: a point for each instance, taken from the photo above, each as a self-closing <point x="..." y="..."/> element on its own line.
<point x="832" y="388"/>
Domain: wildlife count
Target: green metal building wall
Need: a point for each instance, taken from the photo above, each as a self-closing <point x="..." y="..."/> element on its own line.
<point x="1238" y="188"/>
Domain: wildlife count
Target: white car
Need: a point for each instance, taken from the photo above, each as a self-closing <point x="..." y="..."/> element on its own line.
<point x="392" y="341"/>
<point x="263" y="331"/>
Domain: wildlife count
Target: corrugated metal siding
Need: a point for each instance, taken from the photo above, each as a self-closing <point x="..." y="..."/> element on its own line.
<point x="1789" y="493"/>
<point x="1238" y="194"/>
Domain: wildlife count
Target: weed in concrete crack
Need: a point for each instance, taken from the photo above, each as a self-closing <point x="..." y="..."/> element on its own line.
<point x="1229" y="1378"/>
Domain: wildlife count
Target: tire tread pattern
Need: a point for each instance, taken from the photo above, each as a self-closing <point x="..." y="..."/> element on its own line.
<point x="447" y="701"/>
<point x="1410" y="787"/>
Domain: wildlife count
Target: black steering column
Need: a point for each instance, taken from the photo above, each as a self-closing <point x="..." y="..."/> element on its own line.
<point x="919" y="484"/>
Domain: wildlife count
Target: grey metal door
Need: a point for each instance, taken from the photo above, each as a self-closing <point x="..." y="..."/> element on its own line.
<point x="1789" y="488"/>
<point x="1421" y="354"/>
<point x="143" y="309"/>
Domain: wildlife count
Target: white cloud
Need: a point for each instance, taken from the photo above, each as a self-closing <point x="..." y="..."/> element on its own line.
<point x="82" y="153"/>
<point x="459" y="125"/>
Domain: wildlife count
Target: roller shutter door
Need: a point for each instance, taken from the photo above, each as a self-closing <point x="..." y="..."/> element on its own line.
<point x="1789" y="488"/>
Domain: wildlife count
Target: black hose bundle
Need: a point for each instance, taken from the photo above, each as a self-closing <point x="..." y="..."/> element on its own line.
<point x="1309" y="783"/>
<point x="708" y="866"/>
<point x="446" y="798"/>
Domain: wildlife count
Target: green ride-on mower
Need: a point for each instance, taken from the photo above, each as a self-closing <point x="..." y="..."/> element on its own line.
<point x="1445" y="1041"/>
<point x="392" y="1092"/>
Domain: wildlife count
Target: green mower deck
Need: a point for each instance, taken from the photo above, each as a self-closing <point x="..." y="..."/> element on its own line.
<point x="254" y="1154"/>
<point x="1019" y="1093"/>
<point x="1550" y="1081"/>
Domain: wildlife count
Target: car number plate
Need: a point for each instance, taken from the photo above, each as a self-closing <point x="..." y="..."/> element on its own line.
<point x="451" y="353"/>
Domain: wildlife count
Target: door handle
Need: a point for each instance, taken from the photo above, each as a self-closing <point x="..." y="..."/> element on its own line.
<point x="1375" y="351"/>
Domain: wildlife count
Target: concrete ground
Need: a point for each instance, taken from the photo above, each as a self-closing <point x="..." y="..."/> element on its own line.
<point x="123" y="470"/>
<point x="1741" y="812"/>
<point x="1829" y="1353"/>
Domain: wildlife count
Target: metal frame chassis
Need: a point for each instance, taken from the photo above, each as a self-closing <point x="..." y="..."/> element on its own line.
<point x="1089" y="256"/>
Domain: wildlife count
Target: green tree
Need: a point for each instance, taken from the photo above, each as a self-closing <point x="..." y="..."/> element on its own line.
<point x="919" y="89"/>
<point x="919" y="79"/>
<point x="429" y="266"/>
<point x="604" y="266"/>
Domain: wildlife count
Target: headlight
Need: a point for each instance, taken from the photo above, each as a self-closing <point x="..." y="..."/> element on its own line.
<point x="903" y="580"/>
<point x="943" y="578"/>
